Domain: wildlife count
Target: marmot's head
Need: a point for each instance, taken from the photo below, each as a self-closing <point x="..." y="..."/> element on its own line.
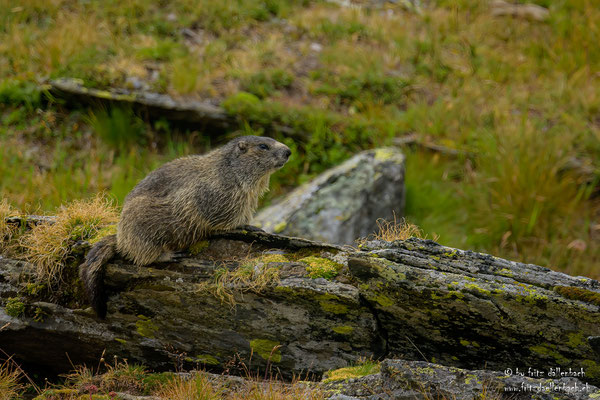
<point x="259" y="155"/>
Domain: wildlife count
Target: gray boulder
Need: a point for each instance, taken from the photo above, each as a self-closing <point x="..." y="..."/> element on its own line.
<point x="344" y="203"/>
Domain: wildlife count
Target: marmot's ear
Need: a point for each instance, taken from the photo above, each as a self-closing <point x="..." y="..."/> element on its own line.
<point x="242" y="146"/>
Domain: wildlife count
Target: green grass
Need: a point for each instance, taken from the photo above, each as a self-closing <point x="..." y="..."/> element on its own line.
<point x="362" y="368"/>
<point x="522" y="97"/>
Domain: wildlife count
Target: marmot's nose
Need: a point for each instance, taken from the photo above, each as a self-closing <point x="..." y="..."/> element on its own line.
<point x="287" y="153"/>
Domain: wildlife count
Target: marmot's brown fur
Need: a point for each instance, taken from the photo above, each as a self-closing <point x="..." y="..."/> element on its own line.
<point x="182" y="202"/>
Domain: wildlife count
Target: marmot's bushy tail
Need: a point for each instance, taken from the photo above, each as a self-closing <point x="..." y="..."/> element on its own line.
<point x="91" y="272"/>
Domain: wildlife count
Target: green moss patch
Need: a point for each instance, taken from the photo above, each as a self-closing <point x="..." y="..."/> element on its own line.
<point x="207" y="359"/>
<point x="145" y="326"/>
<point x="329" y="303"/>
<point x="575" y="293"/>
<point x="266" y="349"/>
<point x="383" y="300"/>
<point x="14" y="307"/>
<point x="549" y="351"/>
<point x="343" y="329"/>
<point x="268" y="258"/>
<point x="106" y="231"/>
<point x="199" y="247"/>
<point x="591" y="368"/>
<point x="280" y="227"/>
<point x="320" y="267"/>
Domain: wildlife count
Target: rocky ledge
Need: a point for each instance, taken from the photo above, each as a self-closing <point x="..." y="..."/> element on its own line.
<point x="301" y="307"/>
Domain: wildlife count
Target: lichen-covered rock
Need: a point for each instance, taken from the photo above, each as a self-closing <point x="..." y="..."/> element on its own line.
<point x="314" y="307"/>
<point x="344" y="203"/>
<point x="460" y="308"/>
<point x="180" y="312"/>
<point x="408" y="380"/>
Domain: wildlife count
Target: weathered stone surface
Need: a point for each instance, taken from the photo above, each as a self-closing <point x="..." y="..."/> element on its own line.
<point x="201" y="113"/>
<point x="409" y="380"/>
<point x="414" y="299"/>
<point x="344" y="203"/>
<point x="460" y="307"/>
<point x="163" y="313"/>
<point x="526" y="11"/>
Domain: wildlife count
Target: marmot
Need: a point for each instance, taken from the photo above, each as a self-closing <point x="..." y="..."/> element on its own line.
<point x="183" y="201"/>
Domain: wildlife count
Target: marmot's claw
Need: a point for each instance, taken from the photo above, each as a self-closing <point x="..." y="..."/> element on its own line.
<point x="249" y="228"/>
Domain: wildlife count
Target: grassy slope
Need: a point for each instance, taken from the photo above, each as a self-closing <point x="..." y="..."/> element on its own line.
<point x="523" y="96"/>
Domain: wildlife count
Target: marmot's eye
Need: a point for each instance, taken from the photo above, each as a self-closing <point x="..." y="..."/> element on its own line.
<point x="263" y="146"/>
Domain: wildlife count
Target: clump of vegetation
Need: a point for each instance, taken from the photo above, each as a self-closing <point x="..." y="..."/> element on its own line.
<point x="365" y="89"/>
<point x="14" y="307"/>
<point x="118" y="127"/>
<point x="18" y="92"/>
<point x="274" y="390"/>
<point x="265" y="83"/>
<point x="362" y="368"/>
<point x="203" y="387"/>
<point x="7" y="231"/>
<point x="397" y="229"/>
<point x="251" y="275"/>
<point x="49" y="244"/>
<point x="86" y="383"/>
<point x="123" y="377"/>
<point x="10" y="377"/>
<point x="120" y="376"/>
<point x="198" y="387"/>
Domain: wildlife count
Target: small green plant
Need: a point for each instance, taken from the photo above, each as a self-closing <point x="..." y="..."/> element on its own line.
<point x="16" y="92"/>
<point x="266" y="83"/>
<point x="188" y="75"/>
<point x="14" y="307"/>
<point x="38" y="315"/>
<point x="163" y="50"/>
<point x="334" y="31"/>
<point x="118" y="127"/>
<point x="123" y="377"/>
<point x="365" y="89"/>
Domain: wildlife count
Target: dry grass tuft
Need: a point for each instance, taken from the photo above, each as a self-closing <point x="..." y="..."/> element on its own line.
<point x="7" y="231"/>
<point x="9" y="381"/>
<point x="274" y="390"/>
<point x="48" y="245"/>
<point x="198" y="388"/>
<point x="203" y="387"/>
<point x="252" y="275"/>
<point x="398" y="229"/>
